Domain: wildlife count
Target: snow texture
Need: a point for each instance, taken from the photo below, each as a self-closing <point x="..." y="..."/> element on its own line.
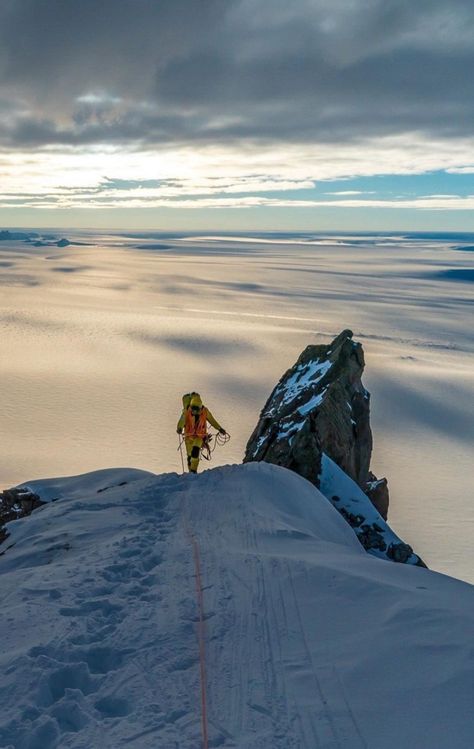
<point x="349" y="499"/>
<point x="310" y="642"/>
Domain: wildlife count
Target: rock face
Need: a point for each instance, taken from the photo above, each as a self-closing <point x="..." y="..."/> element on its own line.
<point x="377" y="491"/>
<point x="16" y="503"/>
<point x="316" y="422"/>
<point x="320" y="406"/>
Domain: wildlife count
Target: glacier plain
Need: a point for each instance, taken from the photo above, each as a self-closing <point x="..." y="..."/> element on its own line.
<point x="100" y="341"/>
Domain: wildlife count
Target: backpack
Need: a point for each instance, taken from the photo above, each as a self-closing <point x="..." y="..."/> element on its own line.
<point x="187" y="399"/>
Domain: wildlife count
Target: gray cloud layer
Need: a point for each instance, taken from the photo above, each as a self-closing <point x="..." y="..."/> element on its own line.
<point x="149" y="72"/>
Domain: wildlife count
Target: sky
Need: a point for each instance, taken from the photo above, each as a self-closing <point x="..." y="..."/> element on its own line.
<point x="237" y="114"/>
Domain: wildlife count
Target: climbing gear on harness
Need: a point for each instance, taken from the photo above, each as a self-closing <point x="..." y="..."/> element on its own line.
<point x="209" y="444"/>
<point x="211" y="441"/>
<point x="196" y="427"/>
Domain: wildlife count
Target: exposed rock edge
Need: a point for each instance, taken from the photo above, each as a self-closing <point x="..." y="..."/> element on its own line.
<point x="320" y="407"/>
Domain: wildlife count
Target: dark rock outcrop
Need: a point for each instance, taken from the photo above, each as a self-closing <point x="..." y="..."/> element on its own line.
<point x="6" y="235"/>
<point x="320" y="406"/>
<point x="14" y="504"/>
<point x="37" y="240"/>
<point x="377" y="491"/>
<point x="316" y="422"/>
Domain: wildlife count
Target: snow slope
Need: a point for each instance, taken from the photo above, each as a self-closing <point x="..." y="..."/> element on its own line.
<point x="350" y="501"/>
<point x="309" y="642"/>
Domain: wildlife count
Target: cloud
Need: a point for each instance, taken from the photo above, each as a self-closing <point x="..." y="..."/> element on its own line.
<point x="248" y="175"/>
<point x="242" y="103"/>
<point x="351" y="192"/>
<point x="461" y="170"/>
<point x="151" y="74"/>
<point x="189" y="201"/>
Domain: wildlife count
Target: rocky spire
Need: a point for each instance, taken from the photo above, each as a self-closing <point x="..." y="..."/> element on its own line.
<point x="320" y="406"/>
<point x="316" y="422"/>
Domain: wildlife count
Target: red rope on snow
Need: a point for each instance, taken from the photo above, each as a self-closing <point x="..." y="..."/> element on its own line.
<point x="201" y="638"/>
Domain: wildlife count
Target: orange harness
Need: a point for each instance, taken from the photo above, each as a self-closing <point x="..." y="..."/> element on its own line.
<point x="193" y="428"/>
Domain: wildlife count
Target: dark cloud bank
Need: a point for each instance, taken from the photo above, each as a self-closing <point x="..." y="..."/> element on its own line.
<point x="168" y="71"/>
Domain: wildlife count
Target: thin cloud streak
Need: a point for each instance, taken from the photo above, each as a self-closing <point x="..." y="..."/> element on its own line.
<point x="84" y="178"/>
<point x="433" y="204"/>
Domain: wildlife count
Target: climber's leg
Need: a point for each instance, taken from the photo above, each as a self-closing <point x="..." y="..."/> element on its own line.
<point x="195" y="454"/>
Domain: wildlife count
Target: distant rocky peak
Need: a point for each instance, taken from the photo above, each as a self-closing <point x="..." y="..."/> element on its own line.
<point x="320" y="406"/>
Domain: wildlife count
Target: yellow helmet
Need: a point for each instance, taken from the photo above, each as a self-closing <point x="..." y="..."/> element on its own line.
<point x="195" y="403"/>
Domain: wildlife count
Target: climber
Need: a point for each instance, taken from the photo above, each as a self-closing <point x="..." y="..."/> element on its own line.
<point x="194" y="422"/>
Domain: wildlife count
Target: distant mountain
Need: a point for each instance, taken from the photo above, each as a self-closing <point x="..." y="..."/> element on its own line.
<point x="6" y="235"/>
<point x="40" y="240"/>
<point x="54" y="242"/>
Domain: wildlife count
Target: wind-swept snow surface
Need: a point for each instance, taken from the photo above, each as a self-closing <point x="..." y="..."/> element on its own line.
<point x="308" y="641"/>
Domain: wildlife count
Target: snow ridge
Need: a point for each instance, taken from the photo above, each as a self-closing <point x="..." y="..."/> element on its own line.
<point x="309" y="641"/>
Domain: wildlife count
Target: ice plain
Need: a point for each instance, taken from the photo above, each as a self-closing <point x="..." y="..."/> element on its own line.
<point x="99" y="342"/>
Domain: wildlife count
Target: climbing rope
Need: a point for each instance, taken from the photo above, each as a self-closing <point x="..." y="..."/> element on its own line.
<point x="201" y="633"/>
<point x="209" y="444"/>
<point x="211" y="441"/>
<point x="201" y="639"/>
<point x="180" y="449"/>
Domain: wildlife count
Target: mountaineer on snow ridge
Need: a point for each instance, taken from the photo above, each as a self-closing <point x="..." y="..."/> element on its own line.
<point x="193" y="421"/>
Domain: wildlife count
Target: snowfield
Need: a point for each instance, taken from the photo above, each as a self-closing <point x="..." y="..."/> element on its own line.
<point x="307" y="641"/>
<point x="101" y="339"/>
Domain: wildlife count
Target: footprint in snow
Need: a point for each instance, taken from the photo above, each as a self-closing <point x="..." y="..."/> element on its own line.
<point x="97" y="659"/>
<point x="102" y="606"/>
<point x="113" y="707"/>
<point x="120" y="572"/>
<point x="150" y="562"/>
<point x="90" y="638"/>
<point x="54" y="683"/>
